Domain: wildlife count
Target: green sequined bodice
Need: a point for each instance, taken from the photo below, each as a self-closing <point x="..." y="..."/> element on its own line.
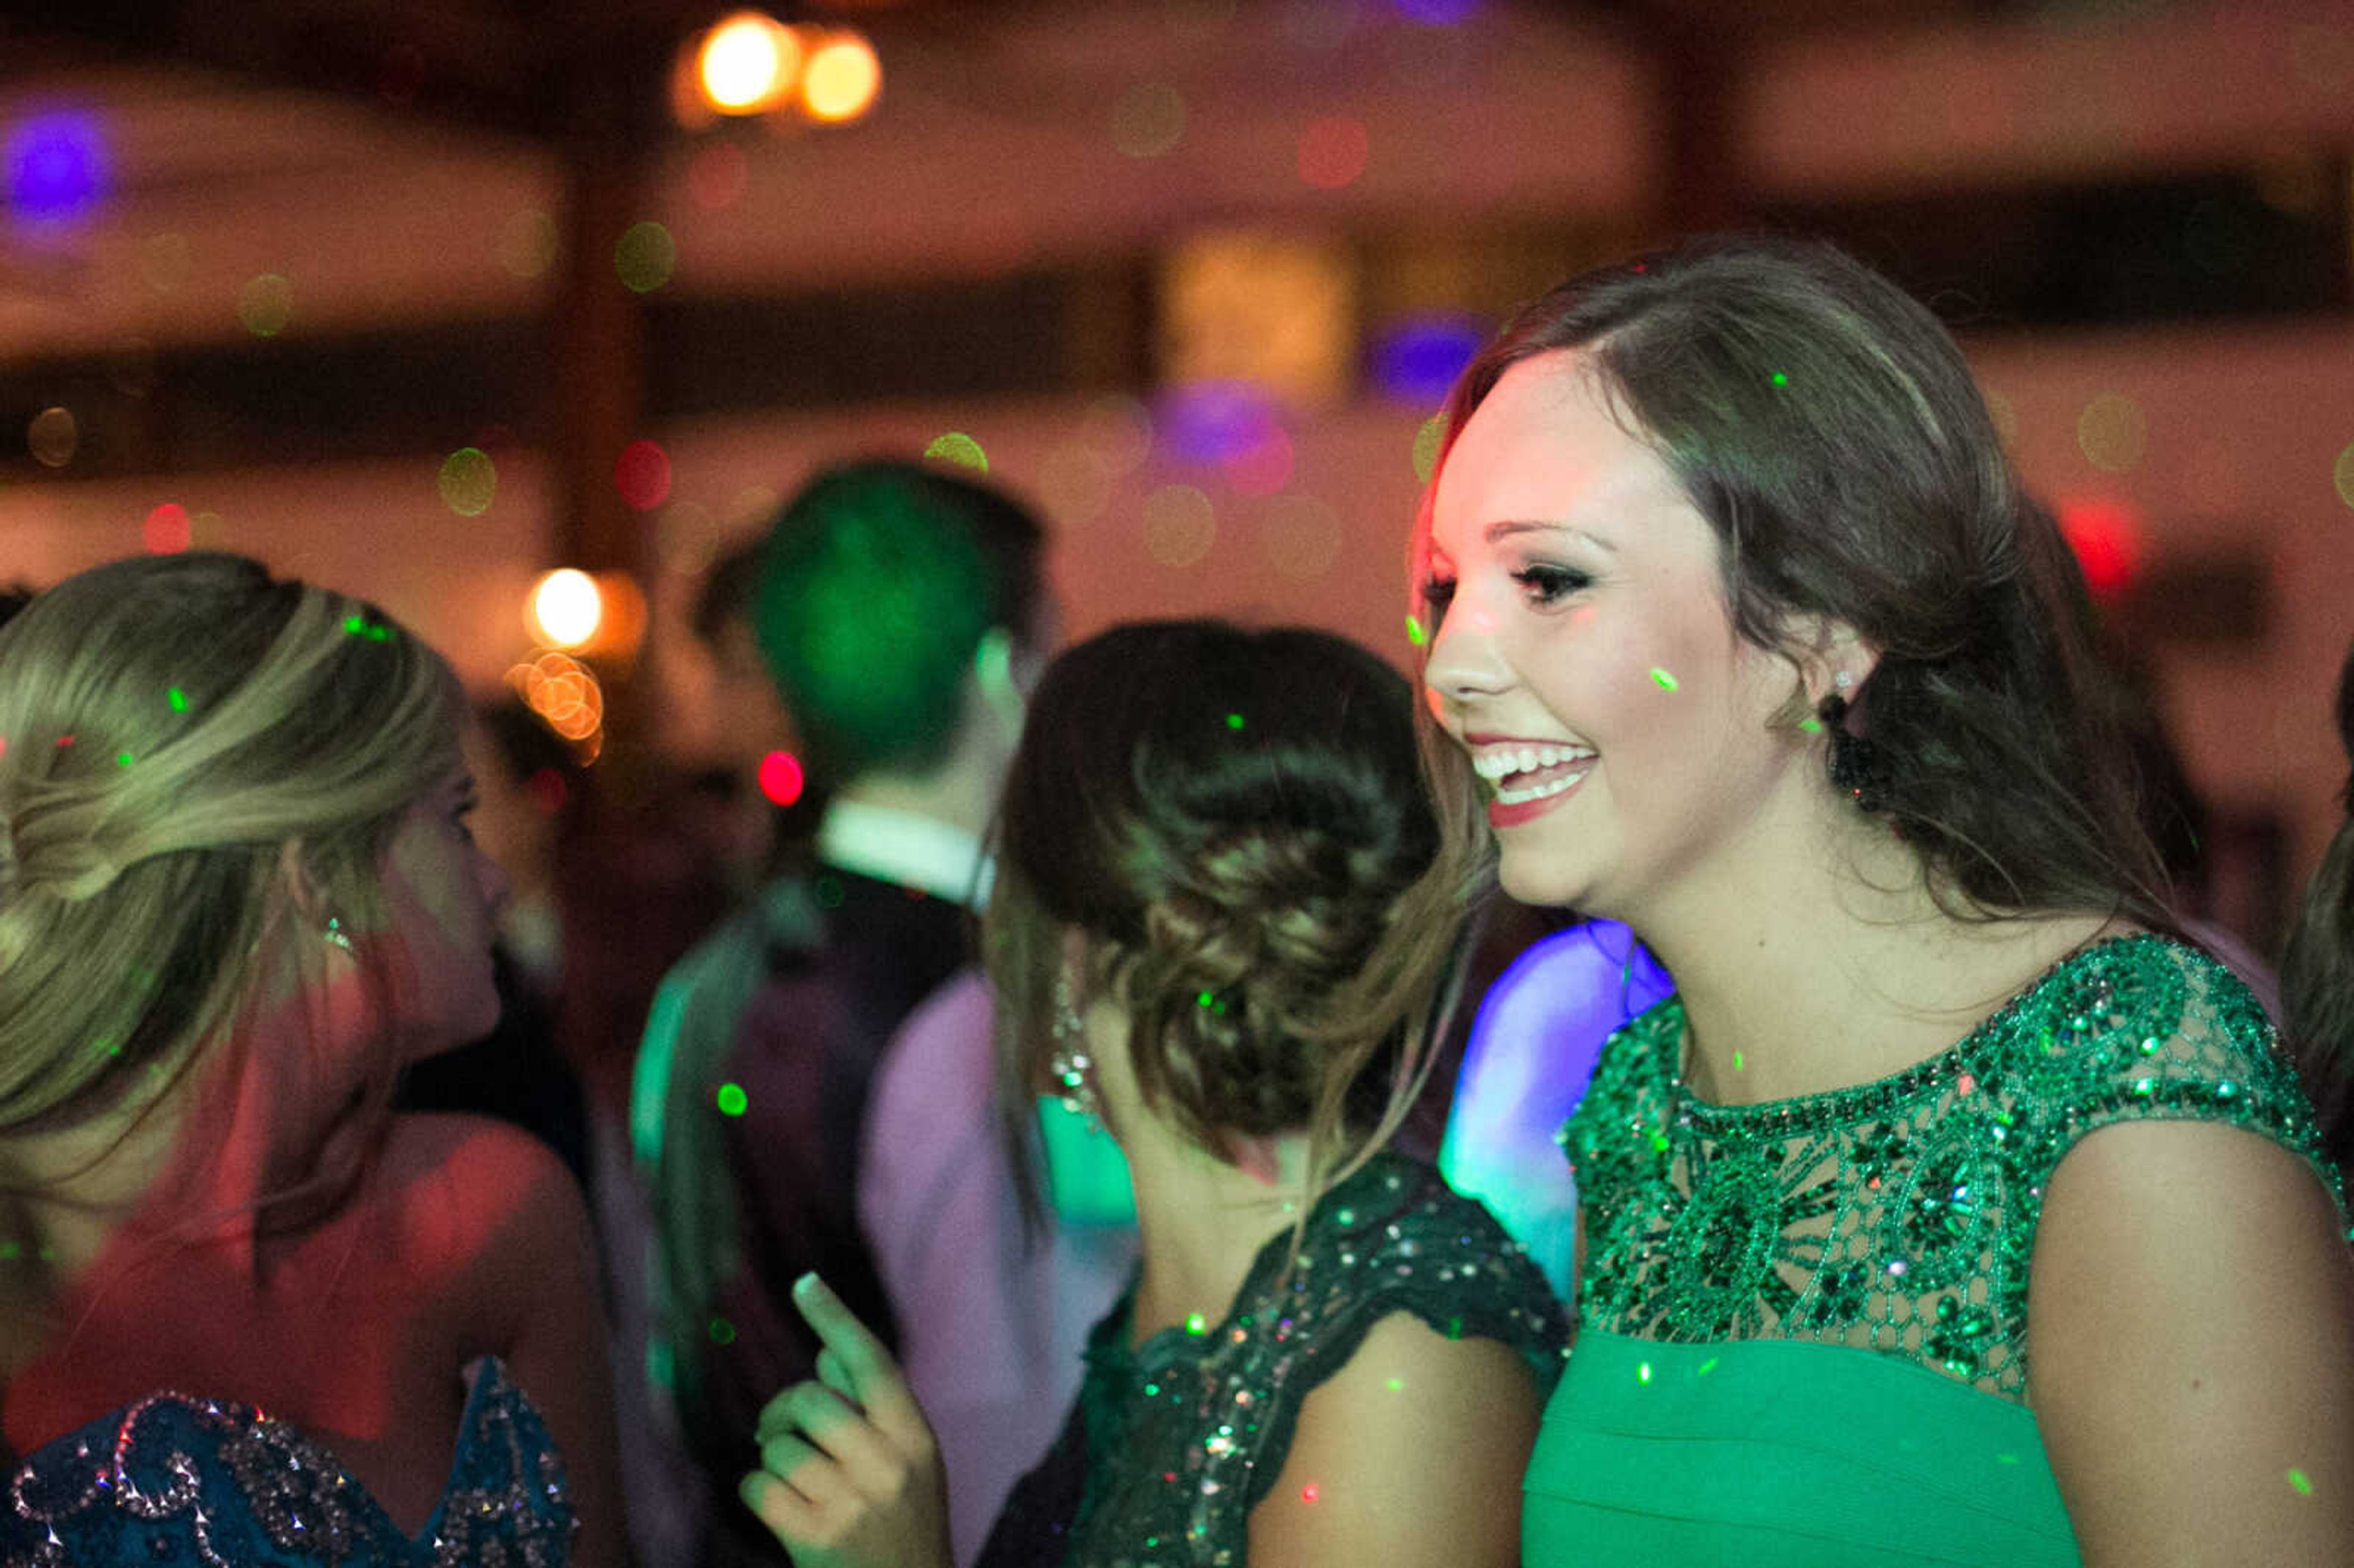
<point x="1899" y="1216"/>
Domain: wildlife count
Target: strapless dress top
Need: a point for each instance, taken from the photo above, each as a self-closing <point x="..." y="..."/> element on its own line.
<point x="180" y="1480"/>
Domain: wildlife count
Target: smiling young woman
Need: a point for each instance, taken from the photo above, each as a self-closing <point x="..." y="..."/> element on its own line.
<point x="1742" y="633"/>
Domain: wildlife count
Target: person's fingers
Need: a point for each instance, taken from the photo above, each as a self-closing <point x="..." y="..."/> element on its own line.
<point x="831" y="1372"/>
<point x="869" y="1461"/>
<point x="812" y="1474"/>
<point x="874" y="1380"/>
<point x="789" y="1515"/>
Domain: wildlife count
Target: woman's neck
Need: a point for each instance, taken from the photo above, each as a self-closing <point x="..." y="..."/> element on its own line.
<point x="1202" y="1222"/>
<point x="1820" y="958"/>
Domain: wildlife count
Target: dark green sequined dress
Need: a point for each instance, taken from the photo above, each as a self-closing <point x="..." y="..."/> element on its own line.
<point x="1170" y="1445"/>
<point x="1803" y="1333"/>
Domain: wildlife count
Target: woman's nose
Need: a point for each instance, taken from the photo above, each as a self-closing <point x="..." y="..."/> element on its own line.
<point x="1464" y="661"/>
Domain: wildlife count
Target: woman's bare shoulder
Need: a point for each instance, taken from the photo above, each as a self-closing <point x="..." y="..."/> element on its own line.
<point x="458" y="1184"/>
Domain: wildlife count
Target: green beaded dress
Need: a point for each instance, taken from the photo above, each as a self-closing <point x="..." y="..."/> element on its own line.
<point x="1171" y="1443"/>
<point x="1803" y="1333"/>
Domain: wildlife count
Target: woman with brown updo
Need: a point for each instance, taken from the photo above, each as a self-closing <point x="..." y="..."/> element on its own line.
<point x="1326" y="1357"/>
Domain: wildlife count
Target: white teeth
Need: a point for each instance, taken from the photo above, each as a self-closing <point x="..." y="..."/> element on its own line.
<point x="1505" y="760"/>
<point x="1538" y="791"/>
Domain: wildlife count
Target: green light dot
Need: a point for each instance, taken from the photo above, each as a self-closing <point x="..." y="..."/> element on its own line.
<point x="645" y="257"/>
<point x="179" y="700"/>
<point x="1737" y="1063"/>
<point x="1780" y="379"/>
<point x="1196" y="1324"/>
<point x="960" y="450"/>
<point x="10" y="1252"/>
<point x="1204" y="999"/>
<point x="723" y="1332"/>
<point x="731" y="1099"/>
<point x="123" y="759"/>
<point x="1234" y="721"/>
<point x="1706" y="1367"/>
<point x="1811" y="724"/>
<point x="1662" y="680"/>
<point x="1396" y="1386"/>
<point x="1643" y="1372"/>
<point x="469" y="481"/>
<point x="1427" y="438"/>
<point x="1414" y="632"/>
<point x="2300" y="1484"/>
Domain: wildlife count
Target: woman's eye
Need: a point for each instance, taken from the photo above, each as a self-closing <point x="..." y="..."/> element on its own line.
<point x="1543" y="585"/>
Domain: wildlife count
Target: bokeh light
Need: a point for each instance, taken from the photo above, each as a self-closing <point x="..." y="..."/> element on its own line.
<point x="565" y="608"/>
<point x="781" y="778"/>
<point x="841" y="78"/>
<point x="642" y="474"/>
<point x="1210" y="421"/>
<point x="1118" y="429"/>
<point x="52" y="437"/>
<point x="1300" y="538"/>
<point x="717" y="175"/>
<point x="748" y="63"/>
<point x="959" y="449"/>
<point x="165" y="530"/>
<point x="564" y="692"/>
<point x="1262" y="467"/>
<point x="1418" y="359"/>
<point x="1148" y="120"/>
<point x="1332" y="152"/>
<point x="527" y="243"/>
<point x="2106" y="535"/>
<point x="166" y="261"/>
<point x="469" y="481"/>
<point x="2112" y="433"/>
<point x="1180" y="526"/>
<point x="2342" y="475"/>
<point x="1429" y="437"/>
<point x="645" y="257"/>
<point x="57" y="166"/>
<point x="266" y="304"/>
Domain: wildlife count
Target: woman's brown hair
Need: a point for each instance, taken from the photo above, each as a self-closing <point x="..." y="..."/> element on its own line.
<point x="2317" y="972"/>
<point x="1227" y="817"/>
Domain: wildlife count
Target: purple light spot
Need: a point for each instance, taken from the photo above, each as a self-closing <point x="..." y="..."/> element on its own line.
<point x="1435" y="13"/>
<point x="57" y="166"/>
<point x="1417" y="360"/>
<point x="1216" y="421"/>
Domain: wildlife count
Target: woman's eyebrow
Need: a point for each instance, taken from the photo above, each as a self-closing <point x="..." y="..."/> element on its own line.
<point x="1497" y="531"/>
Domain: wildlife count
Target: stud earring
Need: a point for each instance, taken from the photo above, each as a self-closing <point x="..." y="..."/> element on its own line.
<point x="1070" y="1064"/>
<point x="336" y="935"/>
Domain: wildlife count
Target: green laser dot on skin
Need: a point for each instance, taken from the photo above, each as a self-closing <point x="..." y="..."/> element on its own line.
<point x="2300" y="1484"/>
<point x="732" y="1099"/>
<point x="123" y="759"/>
<point x="178" y="699"/>
<point x="1196" y="1324"/>
<point x="1780" y="379"/>
<point x="1811" y="724"/>
<point x="1414" y="632"/>
<point x="1662" y="680"/>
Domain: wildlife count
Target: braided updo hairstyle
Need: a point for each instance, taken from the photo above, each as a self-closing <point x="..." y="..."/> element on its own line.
<point x="168" y="726"/>
<point x="1229" y="816"/>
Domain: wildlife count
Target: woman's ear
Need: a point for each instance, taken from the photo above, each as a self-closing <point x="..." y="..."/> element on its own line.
<point x="300" y="882"/>
<point x="1835" y="661"/>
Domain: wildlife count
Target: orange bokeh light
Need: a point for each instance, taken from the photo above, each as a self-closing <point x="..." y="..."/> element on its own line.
<point x="747" y="64"/>
<point x="841" y="76"/>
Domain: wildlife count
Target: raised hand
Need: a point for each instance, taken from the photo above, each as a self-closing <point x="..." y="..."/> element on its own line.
<point x="850" y="1475"/>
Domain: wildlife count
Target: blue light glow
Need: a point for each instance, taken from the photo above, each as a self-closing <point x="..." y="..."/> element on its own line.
<point x="57" y="166"/>
<point x="1417" y="360"/>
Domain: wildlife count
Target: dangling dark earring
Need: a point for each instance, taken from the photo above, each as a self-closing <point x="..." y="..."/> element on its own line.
<point x="1855" y="762"/>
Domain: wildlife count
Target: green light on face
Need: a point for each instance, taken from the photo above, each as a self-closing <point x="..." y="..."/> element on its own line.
<point x="1811" y="724"/>
<point x="731" y="1099"/>
<point x="1196" y="1325"/>
<point x="1414" y="632"/>
<point x="1398" y="1385"/>
<point x="179" y="700"/>
<point x="2300" y="1484"/>
<point x="1662" y="680"/>
<point x="123" y="759"/>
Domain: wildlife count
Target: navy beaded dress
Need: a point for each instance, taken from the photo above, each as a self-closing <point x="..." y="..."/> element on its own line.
<point x="1171" y="1443"/>
<point x="177" y="1480"/>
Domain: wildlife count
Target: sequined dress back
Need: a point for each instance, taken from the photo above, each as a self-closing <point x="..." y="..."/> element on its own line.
<point x="180" y="1480"/>
<point x="1171" y="1443"/>
<point x="1803" y="1333"/>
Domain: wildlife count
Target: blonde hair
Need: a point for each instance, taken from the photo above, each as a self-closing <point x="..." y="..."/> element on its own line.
<point x="168" y="727"/>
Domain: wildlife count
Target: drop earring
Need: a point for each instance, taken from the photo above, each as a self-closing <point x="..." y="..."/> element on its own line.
<point x="1070" y="1064"/>
<point x="336" y="935"/>
<point x="1853" y="762"/>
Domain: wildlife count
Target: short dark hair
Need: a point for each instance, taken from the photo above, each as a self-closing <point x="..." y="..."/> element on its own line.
<point x="877" y="582"/>
<point x="1230" y="816"/>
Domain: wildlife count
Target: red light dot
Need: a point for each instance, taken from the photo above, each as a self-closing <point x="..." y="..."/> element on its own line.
<point x="1309" y="1493"/>
<point x="1332" y="152"/>
<point x="642" y="475"/>
<point x="166" y="531"/>
<point x="781" y="779"/>
<point x="2106" y="536"/>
